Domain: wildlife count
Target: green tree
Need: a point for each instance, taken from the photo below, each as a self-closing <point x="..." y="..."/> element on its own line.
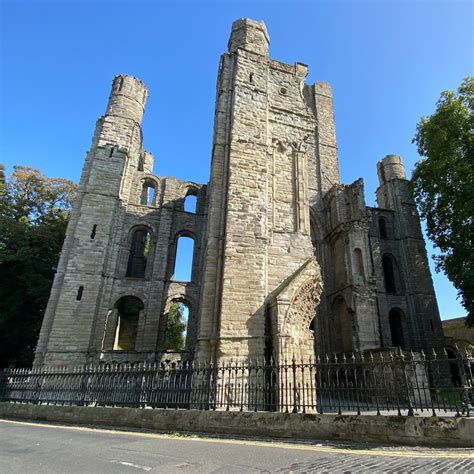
<point x="443" y="186"/>
<point x="175" y="328"/>
<point x="34" y="211"/>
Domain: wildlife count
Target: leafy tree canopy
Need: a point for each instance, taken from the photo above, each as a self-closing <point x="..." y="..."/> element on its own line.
<point x="443" y="186"/>
<point x="175" y="328"/>
<point x="34" y="211"/>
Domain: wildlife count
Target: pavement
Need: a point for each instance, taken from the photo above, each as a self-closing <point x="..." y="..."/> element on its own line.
<point x="27" y="447"/>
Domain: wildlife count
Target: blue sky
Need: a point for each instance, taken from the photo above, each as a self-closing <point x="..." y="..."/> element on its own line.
<point x="387" y="62"/>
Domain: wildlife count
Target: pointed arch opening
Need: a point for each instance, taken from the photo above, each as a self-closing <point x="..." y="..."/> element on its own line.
<point x="177" y="327"/>
<point x="139" y="251"/>
<point x="128" y="309"/>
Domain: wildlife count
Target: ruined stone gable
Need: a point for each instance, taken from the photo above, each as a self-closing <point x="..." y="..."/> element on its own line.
<point x="286" y="260"/>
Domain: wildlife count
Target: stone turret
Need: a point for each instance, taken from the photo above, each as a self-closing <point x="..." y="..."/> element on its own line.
<point x="391" y="167"/>
<point x="127" y="98"/>
<point x="250" y="35"/>
<point x="105" y="183"/>
<point x="393" y="182"/>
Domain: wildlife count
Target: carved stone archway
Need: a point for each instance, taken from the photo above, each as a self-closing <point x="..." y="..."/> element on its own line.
<point x="291" y="311"/>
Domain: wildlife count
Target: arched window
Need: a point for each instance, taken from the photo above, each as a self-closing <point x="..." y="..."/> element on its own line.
<point x="139" y="250"/>
<point x="358" y="266"/>
<point x="382" y="228"/>
<point x="128" y="308"/>
<point x="343" y="330"/>
<point x="389" y="268"/>
<point x="190" y="202"/>
<point x="184" y="259"/>
<point x="147" y="197"/>
<point x="176" y="327"/>
<point x="395" y="318"/>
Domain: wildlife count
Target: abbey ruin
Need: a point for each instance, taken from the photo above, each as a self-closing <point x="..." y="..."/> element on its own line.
<point x="287" y="260"/>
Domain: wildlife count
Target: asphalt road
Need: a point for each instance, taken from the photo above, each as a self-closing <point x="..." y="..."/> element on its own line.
<point x="41" y="448"/>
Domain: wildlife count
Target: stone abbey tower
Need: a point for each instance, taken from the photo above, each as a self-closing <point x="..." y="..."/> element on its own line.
<point x="286" y="261"/>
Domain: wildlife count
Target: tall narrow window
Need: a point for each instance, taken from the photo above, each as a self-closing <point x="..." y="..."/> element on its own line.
<point x="148" y="193"/>
<point x="190" y="202"/>
<point x="382" y="228"/>
<point x="176" y="327"/>
<point x="358" y="266"/>
<point x="128" y="308"/>
<point x="395" y="318"/>
<point x="94" y="231"/>
<point x="141" y="163"/>
<point x="389" y="268"/>
<point x="139" y="251"/>
<point x="184" y="259"/>
<point x="79" y="293"/>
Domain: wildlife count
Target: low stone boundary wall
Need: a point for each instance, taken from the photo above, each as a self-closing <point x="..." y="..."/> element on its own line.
<point x="418" y="431"/>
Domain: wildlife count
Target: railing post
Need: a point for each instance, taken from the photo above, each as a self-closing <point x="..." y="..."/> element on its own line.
<point x="295" y="390"/>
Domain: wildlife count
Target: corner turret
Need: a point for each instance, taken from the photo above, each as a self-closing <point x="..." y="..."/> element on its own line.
<point x="250" y="35"/>
<point x="391" y="167"/>
<point x="127" y="98"/>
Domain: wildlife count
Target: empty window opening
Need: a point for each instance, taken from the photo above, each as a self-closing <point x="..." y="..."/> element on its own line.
<point x="251" y="77"/>
<point x="148" y="194"/>
<point x="176" y="327"/>
<point x="395" y="318"/>
<point x="129" y="309"/>
<point x="141" y="163"/>
<point x="358" y="263"/>
<point x="389" y="266"/>
<point x="121" y="84"/>
<point x="382" y="228"/>
<point x="190" y="202"/>
<point x="184" y="259"/>
<point x="139" y="250"/>
<point x="79" y="293"/>
<point x="94" y="231"/>
<point x="112" y="151"/>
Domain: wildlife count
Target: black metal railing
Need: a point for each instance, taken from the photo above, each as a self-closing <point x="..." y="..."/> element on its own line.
<point x="382" y="382"/>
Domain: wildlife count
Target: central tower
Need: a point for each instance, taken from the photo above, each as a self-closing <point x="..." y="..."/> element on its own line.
<point x="274" y="154"/>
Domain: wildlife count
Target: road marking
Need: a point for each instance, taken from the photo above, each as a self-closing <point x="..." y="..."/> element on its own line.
<point x="130" y="464"/>
<point x="280" y="445"/>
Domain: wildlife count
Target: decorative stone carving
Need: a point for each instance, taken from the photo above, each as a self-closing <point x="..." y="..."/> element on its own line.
<point x="302" y="309"/>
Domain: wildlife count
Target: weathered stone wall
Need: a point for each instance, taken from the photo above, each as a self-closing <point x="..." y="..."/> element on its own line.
<point x="282" y="249"/>
<point x="457" y="330"/>
<point x="109" y="208"/>
<point x="403" y="240"/>
<point x="414" y="431"/>
<point x="267" y="168"/>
